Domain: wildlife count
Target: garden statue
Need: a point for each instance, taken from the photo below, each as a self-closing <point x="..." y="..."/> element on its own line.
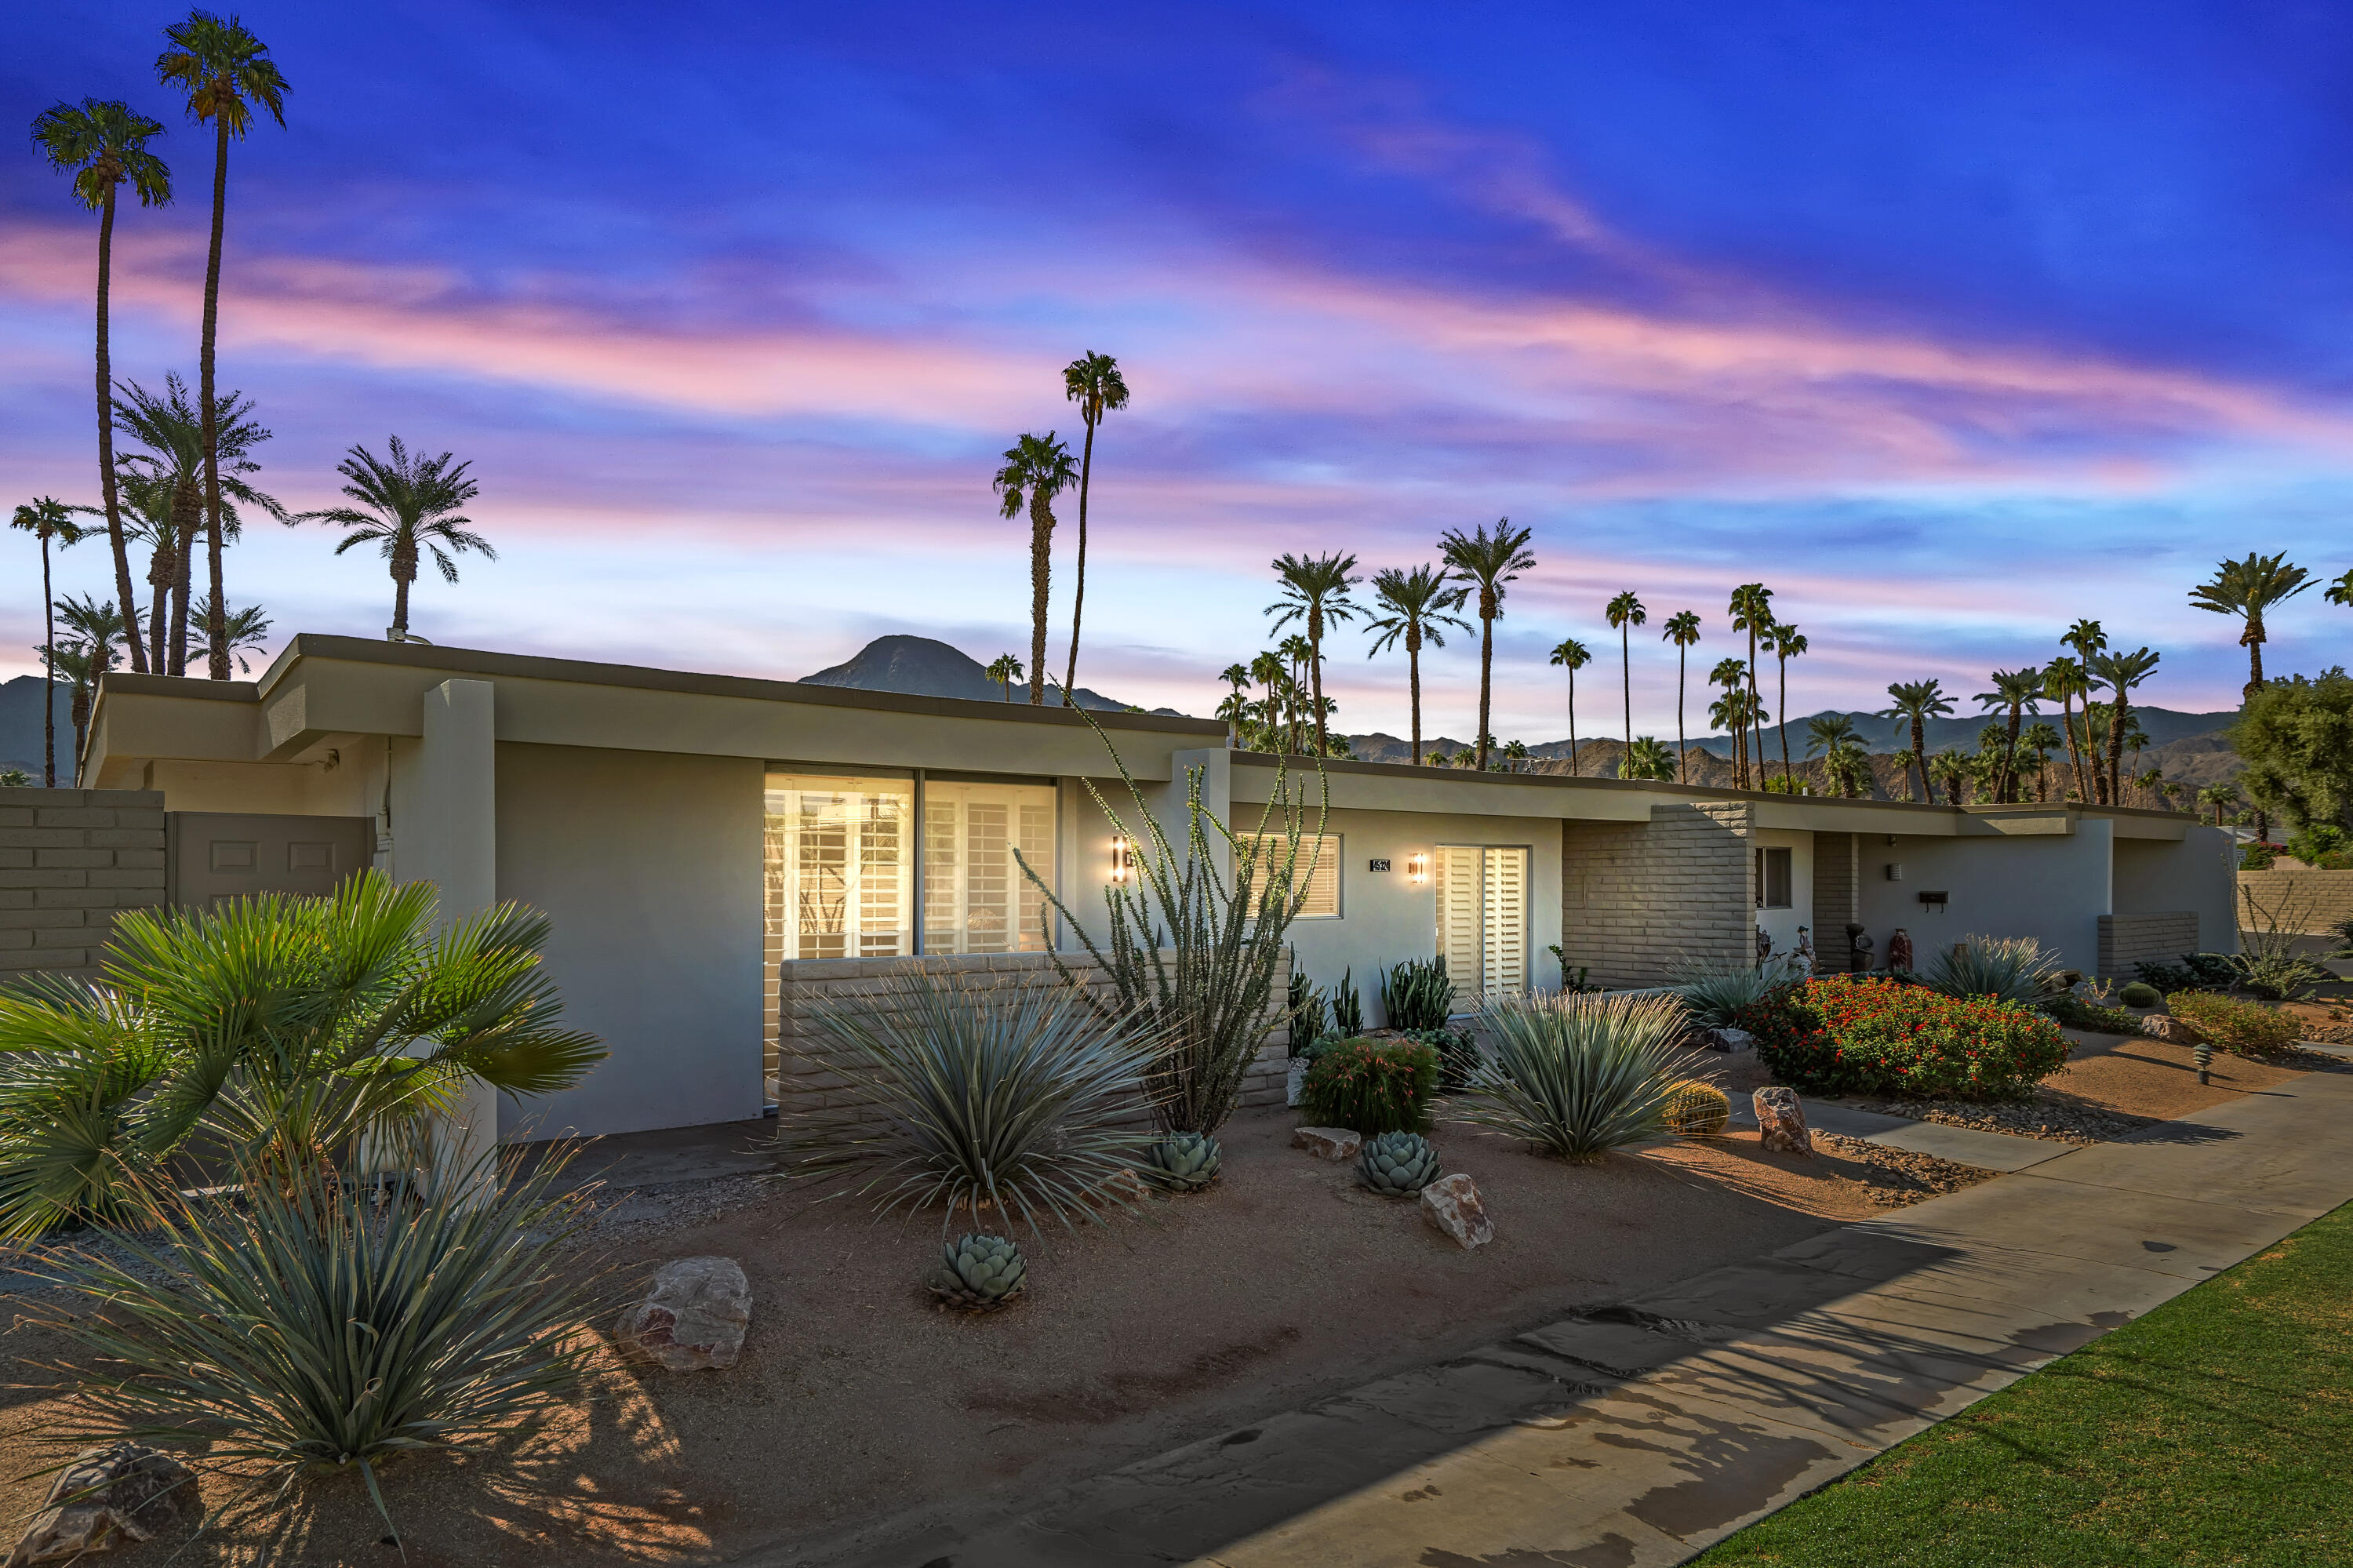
<point x="1859" y="944"/>
<point x="1802" y="955"/>
<point x="1899" y="950"/>
<point x="1764" y="944"/>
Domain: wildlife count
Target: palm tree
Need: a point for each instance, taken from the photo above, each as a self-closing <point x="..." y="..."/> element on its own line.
<point x="172" y="472"/>
<point x="1036" y="469"/>
<point x="1235" y="709"/>
<point x="2340" y="590"/>
<point x="224" y="71"/>
<point x="1438" y="758"/>
<point x="1466" y="758"/>
<point x="2021" y="692"/>
<point x="1683" y="631"/>
<point x="48" y="520"/>
<point x="1268" y="671"/>
<point x="2042" y="740"/>
<point x="1906" y="762"/>
<point x="1515" y="755"/>
<point x="87" y="653"/>
<point x="1005" y="669"/>
<point x="1315" y="592"/>
<point x="1752" y="611"/>
<point x="1787" y="643"/>
<point x="1623" y="613"/>
<point x="2247" y="588"/>
<point x="2121" y="672"/>
<point x="2088" y="640"/>
<point x="1297" y="653"/>
<point x="1489" y="561"/>
<point x="1918" y="701"/>
<point x="1572" y="655"/>
<point x="1415" y="605"/>
<point x="2220" y="797"/>
<point x="1646" y="757"/>
<point x="2066" y="679"/>
<point x="1951" y="769"/>
<point x="1830" y="733"/>
<point x="1731" y="675"/>
<point x="103" y="145"/>
<point x="1092" y="381"/>
<point x="405" y="502"/>
<point x="248" y="631"/>
<point x="1849" y="770"/>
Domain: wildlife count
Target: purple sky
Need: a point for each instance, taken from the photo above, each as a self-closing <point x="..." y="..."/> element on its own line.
<point x="1952" y="323"/>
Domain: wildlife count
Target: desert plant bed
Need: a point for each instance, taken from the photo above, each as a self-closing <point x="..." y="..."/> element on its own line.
<point x="1853" y="1036"/>
<point x="2233" y="1023"/>
<point x="856" y="1397"/>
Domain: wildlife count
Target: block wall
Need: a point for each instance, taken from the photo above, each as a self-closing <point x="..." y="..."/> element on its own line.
<point x="1637" y="896"/>
<point x="2128" y="940"/>
<point x="70" y="861"/>
<point x="1837" y="899"/>
<point x="2313" y="901"/>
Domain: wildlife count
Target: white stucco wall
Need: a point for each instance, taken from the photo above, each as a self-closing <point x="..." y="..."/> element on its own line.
<point x="1781" y="925"/>
<point x="2053" y="887"/>
<point x="2199" y="873"/>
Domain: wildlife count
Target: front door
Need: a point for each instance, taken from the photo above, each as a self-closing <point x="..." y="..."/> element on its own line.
<point x="213" y="856"/>
<point x="1483" y="920"/>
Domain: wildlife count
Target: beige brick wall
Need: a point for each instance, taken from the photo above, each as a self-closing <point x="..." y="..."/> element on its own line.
<point x="70" y="859"/>
<point x="808" y="1073"/>
<point x="2312" y="901"/>
<point x="2128" y="940"/>
<point x="1838" y="876"/>
<point x="1637" y="897"/>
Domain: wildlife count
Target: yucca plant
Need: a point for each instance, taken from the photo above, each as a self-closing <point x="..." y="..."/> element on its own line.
<point x="268" y="1031"/>
<point x="2008" y="969"/>
<point x="1714" y="993"/>
<point x="1417" y="994"/>
<point x="975" y="1096"/>
<point x="1578" y="1074"/>
<point x="320" y="1327"/>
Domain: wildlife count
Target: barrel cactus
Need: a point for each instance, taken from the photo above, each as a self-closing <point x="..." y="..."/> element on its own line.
<point x="2140" y="993"/>
<point x="1397" y="1164"/>
<point x="1696" y="1110"/>
<point x="979" y="1273"/>
<point x="1184" y="1162"/>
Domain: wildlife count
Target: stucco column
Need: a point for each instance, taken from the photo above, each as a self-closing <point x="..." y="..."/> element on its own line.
<point x="453" y="841"/>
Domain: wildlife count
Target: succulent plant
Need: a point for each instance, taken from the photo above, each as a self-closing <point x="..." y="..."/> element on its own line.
<point x="1183" y="1161"/>
<point x="1694" y="1108"/>
<point x="979" y="1273"/>
<point x="1397" y="1164"/>
<point x="2140" y="993"/>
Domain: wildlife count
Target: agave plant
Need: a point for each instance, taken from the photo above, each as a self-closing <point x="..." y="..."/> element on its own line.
<point x="1397" y="1164"/>
<point x="979" y="1273"/>
<point x="2009" y="968"/>
<point x="973" y="1095"/>
<point x="1578" y="1074"/>
<point x="1417" y="994"/>
<point x="1184" y="1162"/>
<point x="274" y="1030"/>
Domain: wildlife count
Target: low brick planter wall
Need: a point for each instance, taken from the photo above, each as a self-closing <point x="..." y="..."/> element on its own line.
<point x="70" y="861"/>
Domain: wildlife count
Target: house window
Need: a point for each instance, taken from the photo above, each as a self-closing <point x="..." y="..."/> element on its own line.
<point x="1316" y="871"/>
<point x="976" y="898"/>
<point x="840" y="866"/>
<point x="1773" y="879"/>
<point x="1482" y="918"/>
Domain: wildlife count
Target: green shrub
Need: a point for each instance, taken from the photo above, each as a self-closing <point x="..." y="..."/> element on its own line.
<point x="1417" y="994"/>
<point x="1457" y="1054"/>
<point x="2258" y="857"/>
<point x="2196" y="971"/>
<point x="1847" y="1035"/>
<point x="2005" y="968"/>
<point x="2248" y="1028"/>
<point x="2074" y="1013"/>
<point x="1713" y="995"/>
<point x="2320" y="844"/>
<point x="1372" y="1086"/>
<point x="1581" y="1074"/>
<point x="2140" y="993"/>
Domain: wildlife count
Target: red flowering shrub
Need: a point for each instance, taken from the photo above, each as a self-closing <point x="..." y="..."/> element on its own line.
<point x="1844" y="1035"/>
<point x="1372" y="1086"/>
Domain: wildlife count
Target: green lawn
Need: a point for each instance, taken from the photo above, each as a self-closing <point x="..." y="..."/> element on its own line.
<point x="2219" y="1429"/>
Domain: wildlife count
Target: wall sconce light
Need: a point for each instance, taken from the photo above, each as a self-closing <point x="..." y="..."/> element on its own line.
<point x="1119" y="858"/>
<point x="1417" y="868"/>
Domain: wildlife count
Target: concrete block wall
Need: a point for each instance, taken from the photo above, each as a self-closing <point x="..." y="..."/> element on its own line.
<point x="1637" y="896"/>
<point x="809" y="1075"/>
<point x="2313" y="901"/>
<point x="1838" y="876"/>
<point x="2128" y="940"/>
<point x="70" y="861"/>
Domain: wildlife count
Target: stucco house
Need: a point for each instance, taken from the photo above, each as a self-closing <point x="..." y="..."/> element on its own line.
<point x="710" y="845"/>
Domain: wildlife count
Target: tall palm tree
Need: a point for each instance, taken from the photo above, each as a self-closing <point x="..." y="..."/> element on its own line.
<point x="1731" y="675"/>
<point x="1646" y="757"/>
<point x="1297" y="654"/>
<point x="1036" y="469"/>
<point x="2340" y="590"/>
<point x="1515" y="755"/>
<point x="1415" y="606"/>
<point x="103" y="145"/>
<point x="2247" y="588"/>
<point x="1951" y="769"/>
<point x="2042" y="740"/>
<point x="1683" y="631"/>
<point x="2121" y="671"/>
<point x="1268" y="671"/>
<point x="1827" y="732"/>
<point x="1315" y="593"/>
<point x="2066" y="679"/>
<point x="1092" y="381"/>
<point x="1624" y="613"/>
<point x="1235" y="709"/>
<point x="248" y="631"/>
<point x="1572" y="655"/>
<point x="406" y="504"/>
<point x="2019" y="692"/>
<point x="224" y="71"/>
<point x="1005" y="669"/>
<point x="1918" y="701"/>
<point x="1751" y="608"/>
<point x="173" y="432"/>
<point x="86" y="653"/>
<point x="50" y="521"/>
<point x="2220" y="797"/>
<point x="2087" y="638"/>
<point x="1489" y="561"/>
<point x="1787" y="643"/>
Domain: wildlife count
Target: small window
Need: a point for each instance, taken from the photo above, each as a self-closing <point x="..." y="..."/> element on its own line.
<point x="1318" y="868"/>
<point x="1773" y="879"/>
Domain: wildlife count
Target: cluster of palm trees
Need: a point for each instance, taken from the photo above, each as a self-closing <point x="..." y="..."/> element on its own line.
<point x="1036" y="471"/>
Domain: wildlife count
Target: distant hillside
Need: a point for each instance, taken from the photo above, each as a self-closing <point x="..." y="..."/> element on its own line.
<point x="2161" y="726"/>
<point x="926" y="667"/>
<point x="20" y="727"/>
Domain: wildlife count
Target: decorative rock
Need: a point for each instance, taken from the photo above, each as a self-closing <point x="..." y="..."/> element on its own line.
<point x="1729" y="1039"/>
<point x="1781" y="1121"/>
<point x="1127" y="1186"/>
<point x="1453" y="1205"/>
<point x="694" y="1317"/>
<point x="1328" y="1143"/>
<point x="120" y="1492"/>
<point x="2171" y="1030"/>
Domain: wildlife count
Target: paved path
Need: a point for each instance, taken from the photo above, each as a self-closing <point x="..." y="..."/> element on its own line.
<point x="1961" y="1145"/>
<point x="1640" y="1434"/>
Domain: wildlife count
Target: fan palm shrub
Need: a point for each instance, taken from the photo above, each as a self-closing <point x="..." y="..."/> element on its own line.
<point x="1582" y="1073"/>
<point x="2013" y="969"/>
<point x="268" y="1033"/>
<point x="971" y="1097"/>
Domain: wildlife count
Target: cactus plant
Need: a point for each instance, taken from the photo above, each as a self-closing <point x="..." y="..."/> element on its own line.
<point x="1397" y="1164"/>
<point x="979" y="1273"/>
<point x="1184" y="1162"/>
<point x="1696" y="1108"/>
<point x="2140" y="993"/>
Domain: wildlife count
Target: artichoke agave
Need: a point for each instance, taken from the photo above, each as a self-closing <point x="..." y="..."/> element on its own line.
<point x="979" y="1273"/>
<point x="1184" y="1162"/>
<point x="1397" y="1164"/>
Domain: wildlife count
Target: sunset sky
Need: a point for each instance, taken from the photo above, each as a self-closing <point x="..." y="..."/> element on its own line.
<point x="1950" y="322"/>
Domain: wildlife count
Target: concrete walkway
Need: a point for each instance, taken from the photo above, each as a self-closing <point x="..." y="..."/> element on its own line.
<point x="1961" y="1145"/>
<point x="1642" y="1433"/>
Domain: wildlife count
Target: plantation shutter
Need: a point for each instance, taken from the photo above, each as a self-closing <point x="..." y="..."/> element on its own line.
<point x="1317" y="871"/>
<point x="1503" y="923"/>
<point x="1459" y="902"/>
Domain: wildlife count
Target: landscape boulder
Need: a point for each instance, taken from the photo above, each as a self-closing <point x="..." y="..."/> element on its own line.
<point x="1781" y="1121"/>
<point x="2170" y="1029"/>
<point x="107" y="1496"/>
<point x="1452" y="1204"/>
<point x="1730" y="1039"/>
<point x="693" y="1317"/>
<point x="1328" y="1143"/>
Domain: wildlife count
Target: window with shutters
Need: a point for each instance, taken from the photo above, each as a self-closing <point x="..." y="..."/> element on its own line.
<point x="1482" y="918"/>
<point x="1317" y="869"/>
<point x="976" y="899"/>
<point x="841" y="871"/>
<point x="1773" y="879"/>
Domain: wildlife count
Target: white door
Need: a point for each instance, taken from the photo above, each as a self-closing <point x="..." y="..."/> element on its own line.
<point x="1483" y="920"/>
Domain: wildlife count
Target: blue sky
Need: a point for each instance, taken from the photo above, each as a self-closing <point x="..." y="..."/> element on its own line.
<point x="1953" y="322"/>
